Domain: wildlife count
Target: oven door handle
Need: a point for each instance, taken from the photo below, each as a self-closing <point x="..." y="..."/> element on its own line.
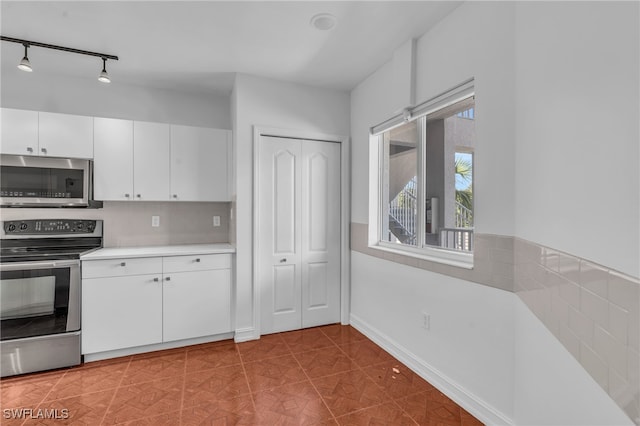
<point x="16" y="266"/>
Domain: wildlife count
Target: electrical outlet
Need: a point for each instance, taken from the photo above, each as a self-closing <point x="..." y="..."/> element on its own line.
<point x="155" y="221"/>
<point x="216" y="221"/>
<point x="426" y="321"/>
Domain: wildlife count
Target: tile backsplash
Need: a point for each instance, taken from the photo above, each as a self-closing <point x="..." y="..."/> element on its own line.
<point x="128" y="224"/>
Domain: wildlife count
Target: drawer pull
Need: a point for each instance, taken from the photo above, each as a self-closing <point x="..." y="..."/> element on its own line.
<point x="155" y="280"/>
<point x="197" y="260"/>
<point x="167" y="279"/>
<point x="123" y="264"/>
<point x="283" y="260"/>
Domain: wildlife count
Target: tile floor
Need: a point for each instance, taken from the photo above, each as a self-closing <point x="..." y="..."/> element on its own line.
<point x="331" y="375"/>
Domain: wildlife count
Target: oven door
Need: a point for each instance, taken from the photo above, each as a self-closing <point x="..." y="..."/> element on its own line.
<point x="39" y="298"/>
<point x="44" y="182"/>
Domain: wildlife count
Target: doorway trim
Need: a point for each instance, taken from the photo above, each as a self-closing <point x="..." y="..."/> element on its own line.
<point x="345" y="213"/>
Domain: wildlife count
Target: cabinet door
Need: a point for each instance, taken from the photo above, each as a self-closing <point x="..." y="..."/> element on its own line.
<point x="121" y="312"/>
<point x="113" y="159"/>
<point x="151" y="161"/>
<point x="196" y="304"/>
<point x="64" y="135"/>
<point x="199" y="164"/>
<point x="19" y="130"/>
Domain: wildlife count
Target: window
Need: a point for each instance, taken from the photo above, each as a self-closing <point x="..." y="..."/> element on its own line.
<point x="424" y="183"/>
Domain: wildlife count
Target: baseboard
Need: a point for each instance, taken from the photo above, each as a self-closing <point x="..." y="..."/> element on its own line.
<point x="467" y="400"/>
<point x="156" y="347"/>
<point x="245" y="334"/>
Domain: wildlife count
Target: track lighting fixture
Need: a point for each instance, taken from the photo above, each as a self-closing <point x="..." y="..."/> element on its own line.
<point x="25" y="65"/>
<point x="104" y="77"/>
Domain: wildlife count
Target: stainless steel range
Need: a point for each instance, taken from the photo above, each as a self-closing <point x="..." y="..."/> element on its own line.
<point x="40" y="292"/>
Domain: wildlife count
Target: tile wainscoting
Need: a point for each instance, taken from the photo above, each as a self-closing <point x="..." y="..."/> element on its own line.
<point x="592" y="310"/>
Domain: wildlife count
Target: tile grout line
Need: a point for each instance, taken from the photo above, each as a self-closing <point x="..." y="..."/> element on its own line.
<point x="124" y="373"/>
<point x="184" y="384"/>
<point x="333" y="416"/>
<point x="246" y="377"/>
<point x="44" y="398"/>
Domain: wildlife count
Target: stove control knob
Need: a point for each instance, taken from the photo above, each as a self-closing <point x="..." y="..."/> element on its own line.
<point x="23" y="226"/>
<point x="11" y="227"/>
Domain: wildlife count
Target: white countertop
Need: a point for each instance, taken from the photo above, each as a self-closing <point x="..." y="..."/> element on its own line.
<point x="153" y="251"/>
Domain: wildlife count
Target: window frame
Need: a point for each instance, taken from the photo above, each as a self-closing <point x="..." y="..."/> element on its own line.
<point x="421" y="251"/>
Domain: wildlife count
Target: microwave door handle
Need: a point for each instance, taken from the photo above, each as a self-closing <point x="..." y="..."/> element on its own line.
<point x="16" y="266"/>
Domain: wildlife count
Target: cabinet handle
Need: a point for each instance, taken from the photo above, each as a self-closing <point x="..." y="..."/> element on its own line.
<point x="155" y="280"/>
<point x="123" y="264"/>
<point x="126" y="195"/>
<point x="197" y="260"/>
<point x="44" y="150"/>
<point x="138" y="195"/>
<point x="167" y="279"/>
<point x="29" y="149"/>
<point x="175" y="195"/>
<point x="283" y="260"/>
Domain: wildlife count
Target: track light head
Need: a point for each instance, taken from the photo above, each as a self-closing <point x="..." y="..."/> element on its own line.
<point x="24" y="64"/>
<point x="104" y="77"/>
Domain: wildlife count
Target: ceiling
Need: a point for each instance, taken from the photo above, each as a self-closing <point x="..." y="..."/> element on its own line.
<point x="197" y="46"/>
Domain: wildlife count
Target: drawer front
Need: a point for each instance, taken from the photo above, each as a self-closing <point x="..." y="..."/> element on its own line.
<point x="196" y="262"/>
<point x="121" y="267"/>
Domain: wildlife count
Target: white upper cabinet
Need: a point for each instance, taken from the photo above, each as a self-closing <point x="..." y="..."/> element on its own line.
<point x="19" y="132"/>
<point x="199" y="163"/>
<point x="64" y="135"/>
<point x="113" y="159"/>
<point x="151" y="161"/>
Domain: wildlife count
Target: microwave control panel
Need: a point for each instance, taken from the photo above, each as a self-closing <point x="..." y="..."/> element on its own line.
<point x="49" y="226"/>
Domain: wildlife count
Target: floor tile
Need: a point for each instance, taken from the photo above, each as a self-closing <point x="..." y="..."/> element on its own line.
<point x="306" y="340"/>
<point x="342" y="333"/>
<point x="396" y="379"/>
<point x="167" y="419"/>
<point x="28" y="391"/>
<point x="324" y="362"/>
<point x="148" y="368"/>
<point x="326" y="375"/>
<point x="89" y="379"/>
<point x="349" y="391"/>
<point x="366" y="353"/>
<point x="432" y="407"/>
<point x="268" y="346"/>
<point x="216" y="384"/>
<point x="235" y="411"/>
<point x="145" y="400"/>
<point x="87" y="409"/>
<point x="204" y="357"/>
<point x="273" y="372"/>
<point x="385" y="414"/>
<point x="295" y="404"/>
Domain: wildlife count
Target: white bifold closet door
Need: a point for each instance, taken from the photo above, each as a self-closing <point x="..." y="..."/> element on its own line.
<point x="299" y="233"/>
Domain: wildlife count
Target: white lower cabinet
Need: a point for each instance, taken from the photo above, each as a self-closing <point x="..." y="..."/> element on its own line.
<point x="121" y="312"/>
<point x="185" y="315"/>
<point x="136" y="302"/>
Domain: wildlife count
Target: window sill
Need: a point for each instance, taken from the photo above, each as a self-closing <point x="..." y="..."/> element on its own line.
<point x="445" y="257"/>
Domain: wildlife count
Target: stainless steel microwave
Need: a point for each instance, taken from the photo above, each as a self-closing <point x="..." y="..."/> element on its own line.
<point x="27" y="181"/>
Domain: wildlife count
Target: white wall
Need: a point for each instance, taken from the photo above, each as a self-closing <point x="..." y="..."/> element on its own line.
<point x="520" y="190"/>
<point x="269" y="103"/>
<point x="87" y="96"/>
<point x="577" y="180"/>
<point x="470" y="340"/>
<point x="390" y="296"/>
